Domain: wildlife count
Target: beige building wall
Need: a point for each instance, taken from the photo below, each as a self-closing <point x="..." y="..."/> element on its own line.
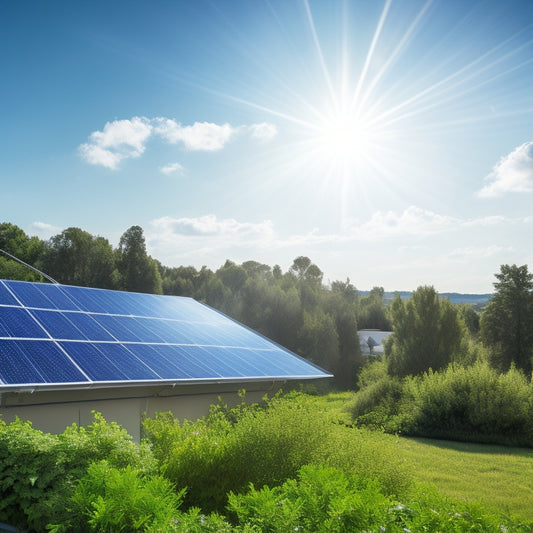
<point x="53" y="411"/>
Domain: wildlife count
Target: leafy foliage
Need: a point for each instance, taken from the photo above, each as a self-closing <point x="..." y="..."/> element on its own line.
<point x="110" y="500"/>
<point x="428" y="333"/>
<point x="38" y="470"/>
<point x="506" y="323"/>
<point x="324" y="500"/>
<point x="474" y="403"/>
<point x="230" y="449"/>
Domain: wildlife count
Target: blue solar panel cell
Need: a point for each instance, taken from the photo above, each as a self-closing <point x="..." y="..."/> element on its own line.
<point x="94" y="361"/>
<point x="184" y="359"/>
<point x="122" y="328"/>
<point x="17" y="322"/>
<point x="216" y="358"/>
<point x="15" y="367"/>
<point x="170" y="331"/>
<point x="34" y="361"/>
<point x="30" y="295"/>
<point x="87" y="324"/>
<point x="165" y="366"/>
<point x="89" y="300"/>
<point x="58" y="296"/>
<point x="52" y="362"/>
<point x="58" y="325"/>
<point x="5" y="296"/>
<point x="123" y="358"/>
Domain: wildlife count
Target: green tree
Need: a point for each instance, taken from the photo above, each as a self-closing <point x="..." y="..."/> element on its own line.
<point x="138" y="271"/>
<point x="28" y="249"/>
<point x="428" y="333"/>
<point x="233" y="276"/>
<point x="318" y="339"/>
<point x="373" y="314"/>
<point x="305" y="270"/>
<point x="75" y="257"/>
<point x="507" y="321"/>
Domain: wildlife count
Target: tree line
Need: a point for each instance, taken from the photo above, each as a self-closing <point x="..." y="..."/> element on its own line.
<point x="296" y="308"/>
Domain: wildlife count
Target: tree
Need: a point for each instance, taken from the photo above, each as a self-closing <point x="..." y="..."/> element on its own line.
<point x="318" y="340"/>
<point x="138" y="271"/>
<point x="428" y="333"/>
<point x="373" y="314"/>
<point x="28" y="249"/>
<point x="507" y="321"/>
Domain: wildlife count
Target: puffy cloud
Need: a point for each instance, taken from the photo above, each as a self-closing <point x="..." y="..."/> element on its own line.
<point x="412" y="221"/>
<point x="172" y="168"/>
<point x="205" y="136"/>
<point x="120" y="139"/>
<point x="125" y="139"/>
<point x="513" y="173"/>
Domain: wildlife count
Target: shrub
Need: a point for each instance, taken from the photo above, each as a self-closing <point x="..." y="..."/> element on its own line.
<point x="473" y="403"/>
<point x="326" y="500"/>
<point x="320" y="499"/>
<point x="383" y="402"/>
<point x="38" y="470"/>
<point x="110" y="500"/>
<point x="476" y="404"/>
<point x="230" y="449"/>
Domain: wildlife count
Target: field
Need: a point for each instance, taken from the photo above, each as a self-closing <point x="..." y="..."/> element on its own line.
<point x="498" y="476"/>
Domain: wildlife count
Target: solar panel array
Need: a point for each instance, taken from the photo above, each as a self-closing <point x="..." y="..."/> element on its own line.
<point x="59" y="335"/>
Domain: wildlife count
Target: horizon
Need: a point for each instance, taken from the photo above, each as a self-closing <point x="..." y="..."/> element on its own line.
<point x="390" y="142"/>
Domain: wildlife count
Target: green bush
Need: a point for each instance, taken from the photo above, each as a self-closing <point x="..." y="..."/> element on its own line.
<point x="320" y="500"/>
<point x="230" y="449"/>
<point x="109" y="500"/>
<point x="38" y="470"/>
<point x="475" y="404"/>
<point x="326" y="500"/>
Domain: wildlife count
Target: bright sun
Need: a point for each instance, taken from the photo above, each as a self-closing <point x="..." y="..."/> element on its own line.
<point x="345" y="138"/>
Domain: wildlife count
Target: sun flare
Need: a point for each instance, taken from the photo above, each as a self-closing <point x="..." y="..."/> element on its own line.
<point x="345" y="138"/>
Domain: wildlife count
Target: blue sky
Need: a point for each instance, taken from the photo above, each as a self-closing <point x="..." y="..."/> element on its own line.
<point x="389" y="141"/>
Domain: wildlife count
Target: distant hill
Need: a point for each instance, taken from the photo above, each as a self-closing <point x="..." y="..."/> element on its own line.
<point x="478" y="300"/>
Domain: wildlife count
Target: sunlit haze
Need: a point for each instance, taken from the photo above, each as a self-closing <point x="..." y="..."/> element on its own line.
<point x="389" y="141"/>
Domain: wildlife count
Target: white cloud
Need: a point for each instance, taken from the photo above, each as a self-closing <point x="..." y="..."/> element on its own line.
<point x="206" y="238"/>
<point x="120" y="139"/>
<point x="210" y="225"/>
<point x="172" y="168"/>
<point x="205" y="136"/>
<point x="263" y="131"/>
<point x="412" y="221"/>
<point x="44" y="230"/>
<point x="513" y="173"/>
<point x="126" y="139"/>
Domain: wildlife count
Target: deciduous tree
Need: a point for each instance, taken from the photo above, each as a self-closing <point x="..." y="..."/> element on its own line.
<point x="428" y="333"/>
<point x="507" y="321"/>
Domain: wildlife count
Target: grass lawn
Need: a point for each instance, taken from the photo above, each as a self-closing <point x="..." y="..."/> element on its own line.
<point x="498" y="476"/>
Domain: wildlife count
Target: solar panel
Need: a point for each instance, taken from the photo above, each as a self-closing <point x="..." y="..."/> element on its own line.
<point x="52" y="336"/>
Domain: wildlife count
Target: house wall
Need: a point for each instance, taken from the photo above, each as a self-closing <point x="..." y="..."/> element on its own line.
<point x="53" y="411"/>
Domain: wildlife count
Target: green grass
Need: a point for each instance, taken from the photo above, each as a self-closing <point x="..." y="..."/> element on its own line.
<point x="500" y="477"/>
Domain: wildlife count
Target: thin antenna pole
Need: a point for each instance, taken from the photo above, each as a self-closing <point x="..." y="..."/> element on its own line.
<point x="49" y="278"/>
